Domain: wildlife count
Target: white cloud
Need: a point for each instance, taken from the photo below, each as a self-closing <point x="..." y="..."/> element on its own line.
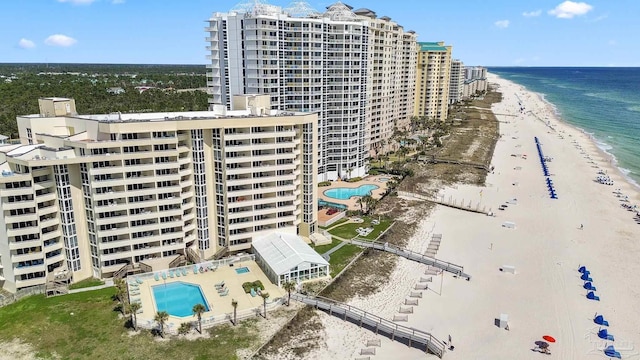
<point x="569" y="9"/>
<point x="502" y="24"/>
<point x="60" y="40"/>
<point x="77" y="2"/>
<point x="26" y="44"/>
<point x="532" y="13"/>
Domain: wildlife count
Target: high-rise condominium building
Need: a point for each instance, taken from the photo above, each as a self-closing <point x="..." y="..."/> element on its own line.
<point x="475" y="72"/>
<point x="101" y="194"/>
<point x="432" y="80"/>
<point x="456" y="85"/>
<point x="346" y="66"/>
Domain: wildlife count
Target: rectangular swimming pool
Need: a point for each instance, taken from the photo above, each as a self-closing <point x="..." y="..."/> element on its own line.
<point x="178" y="298"/>
<point x="242" y="270"/>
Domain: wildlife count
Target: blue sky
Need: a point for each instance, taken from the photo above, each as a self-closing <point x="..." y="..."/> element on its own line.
<point x="489" y="32"/>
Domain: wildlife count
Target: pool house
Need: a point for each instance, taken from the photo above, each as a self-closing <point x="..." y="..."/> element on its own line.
<point x="286" y="257"/>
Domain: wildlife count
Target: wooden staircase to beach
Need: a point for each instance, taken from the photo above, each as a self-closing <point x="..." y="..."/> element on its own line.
<point x="409" y="336"/>
<point x="412" y="255"/>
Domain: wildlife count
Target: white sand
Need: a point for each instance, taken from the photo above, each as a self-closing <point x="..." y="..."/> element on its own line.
<point x="545" y="296"/>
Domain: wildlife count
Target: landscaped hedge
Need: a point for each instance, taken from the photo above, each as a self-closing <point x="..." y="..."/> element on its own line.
<point x="324" y="183"/>
<point x="249" y="285"/>
<point x="355" y="179"/>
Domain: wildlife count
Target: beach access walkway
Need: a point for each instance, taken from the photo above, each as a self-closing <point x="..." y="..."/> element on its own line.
<point x="412" y="255"/>
<point x="450" y="203"/>
<point x="407" y="335"/>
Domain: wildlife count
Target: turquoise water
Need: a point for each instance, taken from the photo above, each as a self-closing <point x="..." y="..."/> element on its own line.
<point x="604" y="102"/>
<point x="242" y="270"/>
<point x="345" y="193"/>
<point x="178" y="298"/>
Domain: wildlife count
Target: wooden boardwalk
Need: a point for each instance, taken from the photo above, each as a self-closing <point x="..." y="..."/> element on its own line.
<point x="407" y="335"/>
<point x="450" y="204"/>
<point x="412" y="255"/>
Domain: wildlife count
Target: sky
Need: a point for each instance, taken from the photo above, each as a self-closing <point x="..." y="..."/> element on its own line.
<point x="488" y="32"/>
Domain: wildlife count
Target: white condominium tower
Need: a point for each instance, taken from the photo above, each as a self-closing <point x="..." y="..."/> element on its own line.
<point x="345" y="66"/>
<point x="432" y="80"/>
<point x="97" y="195"/>
<point x="456" y="85"/>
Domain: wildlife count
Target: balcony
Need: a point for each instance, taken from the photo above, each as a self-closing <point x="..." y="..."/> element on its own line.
<point x="30" y="282"/>
<point x="23" y="231"/>
<point x="28" y="269"/>
<point x="54" y="259"/>
<point x="34" y="255"/>
<point x="13" y="245"/>
<point x="10" y="219"/>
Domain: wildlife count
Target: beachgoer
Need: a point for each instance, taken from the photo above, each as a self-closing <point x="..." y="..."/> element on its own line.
<point x="581" y="226"/>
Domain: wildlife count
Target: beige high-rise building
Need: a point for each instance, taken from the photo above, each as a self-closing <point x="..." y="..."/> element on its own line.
<point x="432" y="80"/>
<point x="94" y="195"/>
<point x="456" y="85"/>
<point x="391" y="78"/>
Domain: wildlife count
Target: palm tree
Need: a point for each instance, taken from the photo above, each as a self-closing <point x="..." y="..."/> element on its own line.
<point x="265" y="296"/>
<point x="360" y="202"/>
<point x="289" y="286"/>
<point x="161" y="318"/>
<point x="234" y="303"/>
<point x="133" y="308"/>
<point x="366" y="199"/>
<point x="198" y="310"/>
<point x="349" y="170"/>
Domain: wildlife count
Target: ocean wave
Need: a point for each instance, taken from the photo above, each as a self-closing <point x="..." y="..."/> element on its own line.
<point x="611" y="96"/>
<point x="635" y="108"/>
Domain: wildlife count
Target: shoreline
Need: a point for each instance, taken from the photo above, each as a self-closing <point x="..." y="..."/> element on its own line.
<point x="545" y="295"/>
<point x="601" y="144"/>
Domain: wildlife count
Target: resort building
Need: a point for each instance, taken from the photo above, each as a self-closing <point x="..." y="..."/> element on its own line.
<point x="432" y="80"/>
<point x="475" y="81"/>
<point x="352" y="69"/>
<point x="101" y="195"/>
<point x="456" y="84"/>
<point x="286" y="257"/>
<point x="475" y="72"/>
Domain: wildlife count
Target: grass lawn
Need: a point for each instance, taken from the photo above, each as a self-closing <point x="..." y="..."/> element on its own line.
<point x="95" y="331"/>
<point x="343" y="220"/>
<point x="342" y="257"/>
<point x="86" y="283"/>
<point x="321" y="249"/>
<point x="348" y="231"/>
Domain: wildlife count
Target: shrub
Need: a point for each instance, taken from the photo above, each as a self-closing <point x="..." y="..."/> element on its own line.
<point x="324" y="183"/>
<point x="184" y="328"/>
<point x="355" y="179"/>
<point x="249" y="285"/>
<point x="373" y="172"/>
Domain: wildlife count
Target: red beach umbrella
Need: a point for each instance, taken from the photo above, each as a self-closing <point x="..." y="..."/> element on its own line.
<point x="549" y="338"/>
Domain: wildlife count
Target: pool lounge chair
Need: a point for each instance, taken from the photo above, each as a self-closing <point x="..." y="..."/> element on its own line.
<point x="253" y="292"/>
<point x="220" y="284"/>
<point x="134" y="293"/>
<point x="225" y="292"/>
<point x="156" y="276"/>
<point x="164" y="275"/>
<point x="195" y="269"/>
<point x="184" y="272"/>
<point x="138" y="280"/>
<point x="171" y="274"/>
<point x="178" y="273"/>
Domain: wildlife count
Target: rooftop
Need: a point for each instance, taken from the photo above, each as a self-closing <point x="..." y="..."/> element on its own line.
<point x="432" y="46"/>
<point x="284" y="252"/>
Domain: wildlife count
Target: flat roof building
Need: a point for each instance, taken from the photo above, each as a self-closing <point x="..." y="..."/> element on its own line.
<point x="97" y="194"/>
<point x="432" y="80"/>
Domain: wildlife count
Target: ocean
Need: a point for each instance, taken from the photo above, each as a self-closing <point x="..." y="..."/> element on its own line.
<point x="604" y="102"/>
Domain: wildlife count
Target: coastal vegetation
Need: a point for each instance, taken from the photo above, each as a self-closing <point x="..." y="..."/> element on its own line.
<point x="99" y="89"/>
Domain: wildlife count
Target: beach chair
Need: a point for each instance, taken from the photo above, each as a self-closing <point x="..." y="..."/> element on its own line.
<point x="599" y="319"/>
<point x="587" y="285"/>
<point x="586" y="277"/>
<point x="592" y="296"/>
<point x="164" y="275"/>
<point x="582" y="269"/>
<point x="610" y="351"/>
<point x="156" y="276"/>
<point x="603" y="334"/>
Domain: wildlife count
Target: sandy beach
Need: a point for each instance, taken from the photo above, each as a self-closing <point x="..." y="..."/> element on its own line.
<point x="545" y="296"/>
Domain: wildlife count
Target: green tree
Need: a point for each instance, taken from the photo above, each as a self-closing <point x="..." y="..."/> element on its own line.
<point x="133" y="308"/>
<point x="265" y="296"/>
<point x="289" y="286"/>
<point x="198" y="310"/>
<point x="161" y="318"/>
<point x="234" y="304"/>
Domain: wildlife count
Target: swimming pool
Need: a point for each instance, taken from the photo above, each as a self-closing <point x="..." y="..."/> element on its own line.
<point x="178" y="298"/>
<point x="384" y="179"/>
<point x="242" y="270"/>
<point x="346" y="193"/>
<point x="331" y="204"/>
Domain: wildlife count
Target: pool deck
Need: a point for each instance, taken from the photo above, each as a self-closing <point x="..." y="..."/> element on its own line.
<point x="351" y="202"/>
<point x="218" y="305"/>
